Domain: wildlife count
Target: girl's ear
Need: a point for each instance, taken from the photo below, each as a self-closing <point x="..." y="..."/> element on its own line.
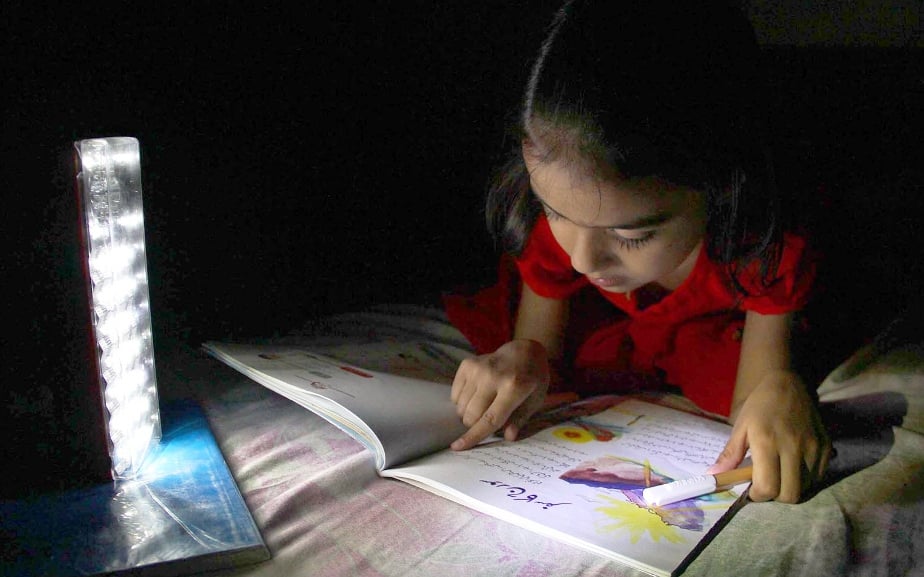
<point x="534" y="151"/>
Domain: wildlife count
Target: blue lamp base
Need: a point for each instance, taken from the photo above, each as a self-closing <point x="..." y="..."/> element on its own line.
<point x="182" y="514"/>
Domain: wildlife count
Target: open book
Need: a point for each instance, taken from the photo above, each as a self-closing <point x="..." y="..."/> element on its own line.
<point x="577" y="476"/>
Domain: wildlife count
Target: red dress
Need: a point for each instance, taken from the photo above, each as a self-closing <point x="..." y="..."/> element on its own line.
<point x="689" y="338"/>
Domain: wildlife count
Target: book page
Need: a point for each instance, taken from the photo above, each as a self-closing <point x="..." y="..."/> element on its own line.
<point x="581" y="481"/>
<point x="397" y="418"/>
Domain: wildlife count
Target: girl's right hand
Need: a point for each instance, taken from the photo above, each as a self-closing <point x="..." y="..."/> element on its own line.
<point x="500" y="390"/>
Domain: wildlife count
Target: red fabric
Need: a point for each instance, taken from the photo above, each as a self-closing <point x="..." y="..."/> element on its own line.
<point x="690" y="338"/>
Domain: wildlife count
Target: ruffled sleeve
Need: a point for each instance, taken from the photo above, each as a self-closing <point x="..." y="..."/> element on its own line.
<point x="791" y="289"/>
<point x="545" y="267"/>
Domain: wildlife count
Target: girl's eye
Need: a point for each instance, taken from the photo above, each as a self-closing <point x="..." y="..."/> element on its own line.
<point x="639" y="239"/>
<point x="629" y="243"/>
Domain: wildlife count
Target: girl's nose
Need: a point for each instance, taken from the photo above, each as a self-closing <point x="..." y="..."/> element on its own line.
<point x="589" y="251"/>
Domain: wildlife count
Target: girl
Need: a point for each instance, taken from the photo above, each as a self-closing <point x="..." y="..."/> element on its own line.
<point x="639" y="177"/>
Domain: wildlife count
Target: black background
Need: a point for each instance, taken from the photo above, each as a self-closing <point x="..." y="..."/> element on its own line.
<point x="295" y="161"/>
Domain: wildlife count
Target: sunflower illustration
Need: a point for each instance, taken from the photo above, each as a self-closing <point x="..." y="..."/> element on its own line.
<point x="574" y="434"/>
<point x="638" y="521"/>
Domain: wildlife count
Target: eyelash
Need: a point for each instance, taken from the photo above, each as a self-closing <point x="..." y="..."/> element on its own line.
<point x="624" y="243"/>
<point x="633" y="243"/>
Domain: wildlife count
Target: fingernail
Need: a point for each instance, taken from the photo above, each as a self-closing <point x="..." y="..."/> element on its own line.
<point x="457" y="445"/>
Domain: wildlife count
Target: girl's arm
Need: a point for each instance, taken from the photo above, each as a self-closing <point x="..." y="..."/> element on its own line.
<point x="543" y="320"/>
<point x="501" y="390"/>
<point x="773" y="415"/>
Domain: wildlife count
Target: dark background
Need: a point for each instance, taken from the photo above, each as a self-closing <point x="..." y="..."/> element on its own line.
<point x="295" y="161"/>
<point x="307" y="160"/>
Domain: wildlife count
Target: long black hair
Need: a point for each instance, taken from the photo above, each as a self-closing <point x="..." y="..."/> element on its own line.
<point x="652" y="88"/>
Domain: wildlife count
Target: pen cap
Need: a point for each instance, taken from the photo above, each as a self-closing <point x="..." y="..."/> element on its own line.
<point x="679" y="490"/>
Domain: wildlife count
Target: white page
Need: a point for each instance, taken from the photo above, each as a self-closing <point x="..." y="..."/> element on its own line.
<point x="398" y="418"/>
<point x="523" y="482"/>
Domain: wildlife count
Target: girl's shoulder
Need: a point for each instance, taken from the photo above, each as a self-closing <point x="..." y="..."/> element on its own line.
<point x="786" y="289"/>
<point x="545" y="266"/>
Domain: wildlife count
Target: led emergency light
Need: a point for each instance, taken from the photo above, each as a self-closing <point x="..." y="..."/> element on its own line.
<point x="109" y="191"/>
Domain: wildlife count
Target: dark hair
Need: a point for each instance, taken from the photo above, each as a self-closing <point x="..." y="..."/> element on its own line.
<point x="652" y="88"/>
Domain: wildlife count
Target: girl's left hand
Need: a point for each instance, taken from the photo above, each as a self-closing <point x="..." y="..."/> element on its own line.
<point x="789" y="445"/>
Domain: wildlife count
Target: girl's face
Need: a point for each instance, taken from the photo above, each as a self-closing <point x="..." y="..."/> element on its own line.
<point x="620" y="233"/>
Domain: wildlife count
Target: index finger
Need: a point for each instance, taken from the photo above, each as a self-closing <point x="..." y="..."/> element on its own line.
<point x="492" y="420"/>
<point x="481" y="430"/>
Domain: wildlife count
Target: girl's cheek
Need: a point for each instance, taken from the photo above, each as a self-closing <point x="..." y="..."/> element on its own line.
<point x="564" y="236"/>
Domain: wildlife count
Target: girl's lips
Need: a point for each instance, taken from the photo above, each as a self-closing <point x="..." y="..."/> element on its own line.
<point x="607" y="283"/>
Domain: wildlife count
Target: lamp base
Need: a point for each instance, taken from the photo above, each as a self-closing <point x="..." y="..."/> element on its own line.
<point x="182" y="514"/>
